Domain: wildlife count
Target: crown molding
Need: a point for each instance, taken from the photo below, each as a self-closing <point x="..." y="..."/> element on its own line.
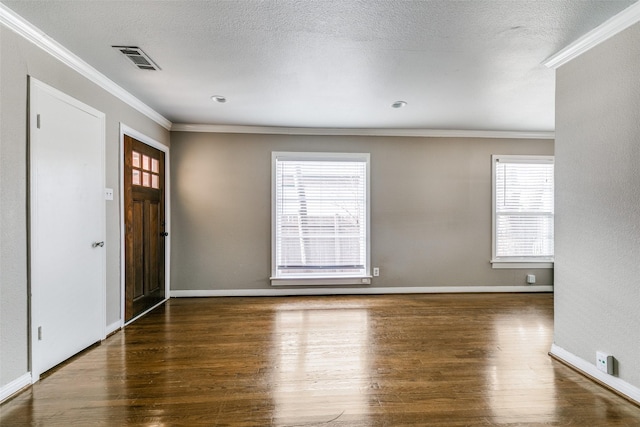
<point x="606" y="30"/>
<point x="16" y="23"/>
<point x="434" y="133"/>
<point x="22" y="27"/>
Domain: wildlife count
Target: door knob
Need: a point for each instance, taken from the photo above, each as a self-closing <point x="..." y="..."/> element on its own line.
<point x="164" y="234"/>
<point x="98" y="244"/>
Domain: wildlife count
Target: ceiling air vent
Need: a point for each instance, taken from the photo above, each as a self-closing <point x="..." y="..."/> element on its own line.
<point x="140" y="59"/>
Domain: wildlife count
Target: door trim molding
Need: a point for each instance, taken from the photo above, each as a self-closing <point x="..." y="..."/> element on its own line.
<point x="33" y="206"/>
<point x="127" y="130"/>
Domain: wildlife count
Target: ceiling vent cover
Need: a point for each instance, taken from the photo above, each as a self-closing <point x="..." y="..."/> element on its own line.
<point x="140" y="59"/>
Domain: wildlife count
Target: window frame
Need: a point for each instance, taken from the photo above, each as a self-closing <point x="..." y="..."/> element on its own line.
<point x="516" y="261"/>
<point x="316" y="279"/>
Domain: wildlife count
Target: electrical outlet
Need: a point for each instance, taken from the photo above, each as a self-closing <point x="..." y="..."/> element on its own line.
<point x="604" y="362"/>
<point x="531" y="279"/>
<point x="376" y="271"/>
<point x="108" y="193"/>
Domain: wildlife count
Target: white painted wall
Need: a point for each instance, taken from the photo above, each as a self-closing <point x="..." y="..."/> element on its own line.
<point x="597" y="269"/>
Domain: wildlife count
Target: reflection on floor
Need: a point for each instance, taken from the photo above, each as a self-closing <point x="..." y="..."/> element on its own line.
<point x="322" y="364"/>
<point x="388" y="360"/>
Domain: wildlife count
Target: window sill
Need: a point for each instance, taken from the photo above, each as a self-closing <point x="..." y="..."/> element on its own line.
<point x="320" y="281"/>
<point x="521" y="264"/>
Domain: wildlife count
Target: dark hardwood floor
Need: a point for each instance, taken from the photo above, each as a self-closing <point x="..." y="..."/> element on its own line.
<point x="388" y="360"/>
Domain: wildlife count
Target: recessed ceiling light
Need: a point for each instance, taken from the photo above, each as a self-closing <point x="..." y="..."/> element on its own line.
<point x="219" y="98"/>
<point x="398" y="104"/>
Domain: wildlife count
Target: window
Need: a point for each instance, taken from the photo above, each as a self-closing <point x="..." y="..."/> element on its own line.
<point x="522" y="211"/>
<point x="144" y="170"/>
<point x="320" y="218"/>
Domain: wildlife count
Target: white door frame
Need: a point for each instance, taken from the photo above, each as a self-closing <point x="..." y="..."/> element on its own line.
<point x="126" y="130"/>
<point x="33" y="212"/>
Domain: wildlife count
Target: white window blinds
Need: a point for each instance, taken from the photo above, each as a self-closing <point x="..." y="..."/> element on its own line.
<point x="523" y="208"/>
<point x="320" y="225"/>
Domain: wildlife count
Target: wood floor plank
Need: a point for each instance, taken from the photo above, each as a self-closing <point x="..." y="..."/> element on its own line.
<point x="385" y="360"/>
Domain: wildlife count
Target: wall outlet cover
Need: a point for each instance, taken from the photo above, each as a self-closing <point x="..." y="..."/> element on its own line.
<point x="604" y="362"/>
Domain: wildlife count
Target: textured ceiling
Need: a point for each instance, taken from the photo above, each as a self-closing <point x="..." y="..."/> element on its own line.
<point x="464" y="65"/>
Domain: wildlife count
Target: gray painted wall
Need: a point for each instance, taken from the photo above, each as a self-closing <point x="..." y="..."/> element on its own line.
<point x="430" y="208"/>
<point x="597" y="291"/>
<point x="20" y="59"/>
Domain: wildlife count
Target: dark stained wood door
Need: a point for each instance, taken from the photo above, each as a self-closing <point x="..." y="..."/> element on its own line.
<point x="144" y="227"/>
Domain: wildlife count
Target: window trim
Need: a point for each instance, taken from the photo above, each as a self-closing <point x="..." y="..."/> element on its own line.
<point x="318" y="280"/>
<point x="514" y="262"/>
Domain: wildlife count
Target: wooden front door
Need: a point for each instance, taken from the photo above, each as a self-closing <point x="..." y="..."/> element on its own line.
<point x="144" y="227"/>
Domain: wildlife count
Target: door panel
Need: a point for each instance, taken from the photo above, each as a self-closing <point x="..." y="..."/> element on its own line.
<point x="155" y="231"/>
<point x="138" y="249"/>
<point x="144" y="227"/>
<point x="67" y="217"/>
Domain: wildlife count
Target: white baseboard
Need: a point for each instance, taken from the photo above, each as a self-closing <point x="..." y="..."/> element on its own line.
<point x="113" y="327"/>
<point x="622" y="387"/>
<point x="15" y="386"/>
<point x="353" y="291"/>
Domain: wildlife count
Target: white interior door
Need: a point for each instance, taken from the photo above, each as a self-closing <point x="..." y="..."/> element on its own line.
<point x="67" y="224"/>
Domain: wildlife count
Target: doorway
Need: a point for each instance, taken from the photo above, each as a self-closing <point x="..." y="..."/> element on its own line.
<point x="145" y="227"/>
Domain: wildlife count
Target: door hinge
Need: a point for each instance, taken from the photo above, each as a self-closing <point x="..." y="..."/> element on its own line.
<point x="39" y="333"/>
<point x="38" y="121"/>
